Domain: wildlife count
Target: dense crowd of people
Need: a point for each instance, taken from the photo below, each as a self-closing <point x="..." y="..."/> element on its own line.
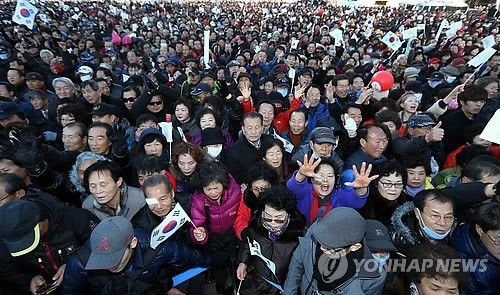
<point x="277" y="138"/>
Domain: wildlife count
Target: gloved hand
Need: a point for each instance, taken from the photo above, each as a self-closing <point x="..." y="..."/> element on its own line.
<point x="28" y="153"/>
<point x="119" y="143"/>
<point x="50" y="136"/>
<point x="350" y="126"/>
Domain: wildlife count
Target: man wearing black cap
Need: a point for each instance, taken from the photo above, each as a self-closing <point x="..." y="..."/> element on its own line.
<point x="321" y="145"/>
<point x="201" y="91"/>
<point x="212" y="142"/>
<point x="432" y="87"/>
<point x="35" y="81"/>
<point x="36" y="242"/>
<point x="10" y="113"/>
<point x="336" y="241"/>
<point x="120" y="261"/>
<point x="423" y="137"/>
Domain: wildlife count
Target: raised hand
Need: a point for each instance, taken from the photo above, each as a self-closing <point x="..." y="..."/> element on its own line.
<point x="436" y="133"/>
<point x="299" y="91"/>
<point x="362" y="177"/>
<point x="306" y="169"/>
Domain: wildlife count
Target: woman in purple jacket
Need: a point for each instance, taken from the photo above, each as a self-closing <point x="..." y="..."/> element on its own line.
<point x="314" y="187"/>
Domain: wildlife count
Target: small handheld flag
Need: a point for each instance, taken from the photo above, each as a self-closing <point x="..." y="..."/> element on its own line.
<point x="25" y="14"/>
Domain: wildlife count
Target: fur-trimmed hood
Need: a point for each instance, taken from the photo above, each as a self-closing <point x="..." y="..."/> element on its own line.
<point x="73" y="174"/>
<point x="400" y="222"/>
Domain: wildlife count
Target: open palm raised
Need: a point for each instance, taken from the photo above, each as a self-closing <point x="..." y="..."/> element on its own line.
<point x="362" y="177"/>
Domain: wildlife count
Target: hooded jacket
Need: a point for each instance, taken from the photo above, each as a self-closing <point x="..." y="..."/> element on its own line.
<point x="405" y="231"/>
<point x="482" y="281"/>
<point x="216" y="218"/>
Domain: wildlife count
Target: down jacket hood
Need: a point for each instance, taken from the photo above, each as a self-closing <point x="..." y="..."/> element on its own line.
<point x="399" y="221"/>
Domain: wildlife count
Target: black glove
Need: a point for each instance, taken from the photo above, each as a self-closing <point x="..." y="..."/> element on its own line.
<point x="119" y="143"/>
<point x="28" y="153"/>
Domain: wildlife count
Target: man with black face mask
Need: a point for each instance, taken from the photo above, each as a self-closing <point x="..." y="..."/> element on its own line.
<point x="325" y="262"/>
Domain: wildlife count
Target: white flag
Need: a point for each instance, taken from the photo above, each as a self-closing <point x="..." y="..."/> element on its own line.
<point x="295" y="44"/>
<point x="25" y="14"/>
<point x="482" y="57"/>
<point x="392" y="40"/>
<point x="491" y="132"/>
<point x="454" y="27"/>
<point x="255" y="250"/>
<point x="410" y="33"/>
<point x="488" y="42"/>
<point x="444" y="25"/>
<point x="172" y="222"/>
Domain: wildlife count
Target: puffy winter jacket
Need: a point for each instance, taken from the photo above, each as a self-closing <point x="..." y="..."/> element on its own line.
<point x="405" y="231"/>
<point x="340" y="197"/>
<point x="77" y="280"/>
<point x="467" y="243"/>
<point x="216" y="218"/>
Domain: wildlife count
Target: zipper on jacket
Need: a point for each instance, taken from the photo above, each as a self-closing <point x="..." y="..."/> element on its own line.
<point x="49" y="257"/>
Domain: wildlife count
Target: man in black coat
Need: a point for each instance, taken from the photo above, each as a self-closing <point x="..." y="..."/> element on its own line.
<point x="245" y="151"/>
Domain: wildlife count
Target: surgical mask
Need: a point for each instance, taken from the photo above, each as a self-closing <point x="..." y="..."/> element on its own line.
<point x="4" y="56"/>
<point x="450" y="79"/>
<point x="369" y="50"/>
<point x="331" y="52"/>
<point x="282" y="91"/>
<point x="214" y="151"/>
<point x="418" y="96"/>
<point x="434" y="84"/>
<point x="381" y="260"/>
<point x="429" y="232"/>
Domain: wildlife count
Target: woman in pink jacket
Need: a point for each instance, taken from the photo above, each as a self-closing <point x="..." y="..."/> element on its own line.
<point x="214" y="206"/>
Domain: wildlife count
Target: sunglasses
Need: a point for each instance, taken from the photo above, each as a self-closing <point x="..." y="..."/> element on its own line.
<point x="155" y="103"/>
<point x="269" y="220"/>
<point x="129" y="99"/>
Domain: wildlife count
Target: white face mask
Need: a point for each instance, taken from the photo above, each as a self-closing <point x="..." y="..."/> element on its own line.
<point x="418" y="96"/>
<point x="214" y="151"/>
<point x="450" y="79"/>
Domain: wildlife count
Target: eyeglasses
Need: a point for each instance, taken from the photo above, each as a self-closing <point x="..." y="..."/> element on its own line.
<point x="260" y="189"/>
<point x="389" y="185"/>
<point x="129" y="99"/>
<point x="495" y="242"/>
<point x="155" y="103"/>
<point x="437" y="217"/>
<point x="269" y="220"/>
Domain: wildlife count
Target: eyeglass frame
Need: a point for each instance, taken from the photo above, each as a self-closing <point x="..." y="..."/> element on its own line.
<point x="443" y="217"/>
<point x="495" y="241"/>
<point x="269" y="220"/>
<point x="390" y="184"/>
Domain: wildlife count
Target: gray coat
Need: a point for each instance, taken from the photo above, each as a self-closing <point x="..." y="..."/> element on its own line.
<point x="300" y="274"/>
<point x="131" y="201"/>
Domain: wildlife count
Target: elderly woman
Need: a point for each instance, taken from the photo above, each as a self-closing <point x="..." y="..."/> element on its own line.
<point x="276" y="227"/>
<point x="83" y="161"/>
<point x="386" y="193"/>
